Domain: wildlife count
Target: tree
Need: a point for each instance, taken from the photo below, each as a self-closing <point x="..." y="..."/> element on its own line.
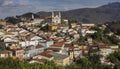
<point x="58" y="34"/>
<point x="12" y="20"/>
<point x="81" y="39"/>
<point x="45" y="28"/>
<point x="9" y="63"/>
<point x="84" y="63"/>
<point x="69" y="23"/>
<point x="95" y="28"/>
<point x="106" y="31"/>
<point x="115" y="58"/>
<point x="94" y="55"/>
<point x="113" y="39"/>
<point x="1" y="26"/>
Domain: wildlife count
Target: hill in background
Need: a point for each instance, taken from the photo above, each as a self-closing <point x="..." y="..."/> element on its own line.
<point x="102" y="14"/>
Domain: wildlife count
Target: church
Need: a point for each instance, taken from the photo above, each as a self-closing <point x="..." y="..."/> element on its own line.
<point x="56" y="20"/>
<point x="56" y="17"/>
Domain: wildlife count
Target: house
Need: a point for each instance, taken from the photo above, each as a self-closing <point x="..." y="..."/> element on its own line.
<point x="58" y="45"/>
<point x="44" y="55"/>
<point x="18" y="52"/>
<point x="1" y="33"/>
<point x="41" y="61"/>
<point x="9" y="39"/>
<point x="3" y="22"/>
<point x="11" y="45"/>
<point x="76" y="50"/>
<point x="35" y="38"/>
<point x="45" y="43"/>
<point x="88" y="25"/>
<point x="90" y="31"/>
<point x="61" y="59"/>
<point x="5" y="54"/>
<point x="73" y="25"/>
<point x="70" y="50"/>
<point x="83" y="49"/>
<point x="31" y="51"/>
<point x="114" y="47"/>
<point x="90" y="41"/>
<point x="58" y="50"/>
<point x="105" y="50"/>
<point x="83" y="31"/>
<point x="28" y="43"/>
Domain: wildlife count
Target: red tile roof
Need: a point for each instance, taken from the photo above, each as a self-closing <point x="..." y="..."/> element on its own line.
<point x="40" y="60"/>
<point x="59" y="44"/>
<point x="39" y="46"/>
<point x="5" y="52"/>
<point x="46" y="54"/>
<point x="54" y="49"/>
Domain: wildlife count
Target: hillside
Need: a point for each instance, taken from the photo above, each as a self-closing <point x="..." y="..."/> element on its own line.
<point x="29" y="15"/>
<point x="105" y="13"/>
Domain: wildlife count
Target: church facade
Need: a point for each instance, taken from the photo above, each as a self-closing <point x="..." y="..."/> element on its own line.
<point x="56" y="18"/>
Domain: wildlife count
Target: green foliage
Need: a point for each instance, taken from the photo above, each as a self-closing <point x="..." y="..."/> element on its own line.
<point x="84" y="63"/>
<point x="100" y="36"/>
<point x="57" y="34"/>
<point x="81" y="39"/>
<point x="106" y="31"/>
<point x="118" y="31"/>
<point x="1" y="26"/>
<point x="97" y="36"/>
<point x="12" y="20"/>
<point x="69" y="24"/>
<point x="95" y="28"/>
<point x="72" y="21"/>
<point x="45" y="28"/>
<point x="115" y="58"/>
<point x="10" y="63"/>
<point x="113" y="39"/>
<point x="94" y="55"/>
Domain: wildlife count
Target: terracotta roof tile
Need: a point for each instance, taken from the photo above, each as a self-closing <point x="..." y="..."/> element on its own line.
<point x="5" y="52"/>
<point x="59" y="44"/>
<point x="46" y="54"/>
<point x="54" y="49"/>
<point x="39" y="46"/>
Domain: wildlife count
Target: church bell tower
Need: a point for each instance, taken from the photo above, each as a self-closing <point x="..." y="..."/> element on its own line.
<point x="56" y="17"/>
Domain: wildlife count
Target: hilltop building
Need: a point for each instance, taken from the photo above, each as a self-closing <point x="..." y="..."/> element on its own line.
<point x="56" y="18"/>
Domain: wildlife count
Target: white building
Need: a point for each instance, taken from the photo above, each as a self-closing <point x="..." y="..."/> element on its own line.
<point x="56" y="18"/>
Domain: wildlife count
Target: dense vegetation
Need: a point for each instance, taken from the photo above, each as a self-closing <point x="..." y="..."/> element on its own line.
<point x="115" y="58"/>
<point x="12" y="20"/>
<point x="45" y="28"/>
<point x="102" y="36"/>
<point x="114" y="26"/>
<point x="90" y="62"/>
<point x="84" y="63"/>
<point x="10" y="63"/>
<point x="1" y="26"/>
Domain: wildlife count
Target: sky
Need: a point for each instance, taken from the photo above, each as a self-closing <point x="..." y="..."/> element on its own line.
<point x="18" y="7"/>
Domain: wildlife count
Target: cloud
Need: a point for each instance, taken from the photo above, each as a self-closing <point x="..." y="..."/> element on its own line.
<point x="17" y="7"/>
<point x="7" y="3"/>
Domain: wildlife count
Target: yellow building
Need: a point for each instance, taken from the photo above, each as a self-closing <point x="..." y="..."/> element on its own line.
<point x="61" y="59"/>
<point x="54" y="27"/>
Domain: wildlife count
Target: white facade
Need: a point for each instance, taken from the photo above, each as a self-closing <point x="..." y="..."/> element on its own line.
<point x="33" y="52"/>
<point x="28" y="43"/>
<point x="88" y="25"/>
<point x="56" y="18"/>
